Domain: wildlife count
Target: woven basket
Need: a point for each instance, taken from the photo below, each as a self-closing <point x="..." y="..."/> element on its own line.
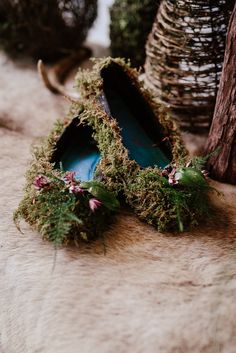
<point x="185" y="53"/>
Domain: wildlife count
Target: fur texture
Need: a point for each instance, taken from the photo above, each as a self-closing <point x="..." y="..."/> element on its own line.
<point x="149" y="293"/>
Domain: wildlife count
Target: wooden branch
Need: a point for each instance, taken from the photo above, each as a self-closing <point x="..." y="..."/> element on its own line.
<point x="222" y="165"/>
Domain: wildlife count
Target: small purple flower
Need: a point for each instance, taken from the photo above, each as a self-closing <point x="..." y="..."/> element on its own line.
<point x="94" y="204"/>
<point x="75" y="189"/>
<point x="173" y="179"/>
<point x="69" y="177"/>
<point x="166" y="171"/>
<point x="205" y="173"/>
<point x="40" y="182"/>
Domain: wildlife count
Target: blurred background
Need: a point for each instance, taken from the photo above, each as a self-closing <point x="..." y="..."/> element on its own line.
<point x="99" y="33"/>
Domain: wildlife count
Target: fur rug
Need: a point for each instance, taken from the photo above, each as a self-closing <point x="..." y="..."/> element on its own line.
<point x="151" y="292"/>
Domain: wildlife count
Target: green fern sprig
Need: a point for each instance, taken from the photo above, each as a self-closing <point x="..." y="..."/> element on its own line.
<point x="200" y="162"/>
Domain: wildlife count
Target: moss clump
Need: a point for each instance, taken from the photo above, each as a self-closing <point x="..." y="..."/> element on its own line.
<point x="165" y="206"/>
<point x="131" y="22"/>
<point x="45" y="29"/>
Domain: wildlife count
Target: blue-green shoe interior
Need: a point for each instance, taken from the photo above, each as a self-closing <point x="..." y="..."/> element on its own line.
<point x="141" y="132"/>
<point x="76" y="151"/>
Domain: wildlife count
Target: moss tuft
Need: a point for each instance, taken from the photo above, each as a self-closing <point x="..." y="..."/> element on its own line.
<point x="164" y="206"/>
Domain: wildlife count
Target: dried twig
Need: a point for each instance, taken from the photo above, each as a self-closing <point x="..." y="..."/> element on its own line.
<point x="54" y="78"/>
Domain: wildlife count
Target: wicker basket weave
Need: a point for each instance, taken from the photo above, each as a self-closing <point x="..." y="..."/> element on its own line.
<point x="185" y="53"/>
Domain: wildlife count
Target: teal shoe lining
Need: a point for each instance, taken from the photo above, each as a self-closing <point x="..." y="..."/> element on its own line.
<point x="76" y="151"/>
<point x="140" y="130"/>
<point x="82" y="161"/>
<point x="140" y="146"/>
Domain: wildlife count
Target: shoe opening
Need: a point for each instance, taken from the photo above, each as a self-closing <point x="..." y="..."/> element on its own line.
<point x="141" y="132"/>
<point x="76" y="151"/>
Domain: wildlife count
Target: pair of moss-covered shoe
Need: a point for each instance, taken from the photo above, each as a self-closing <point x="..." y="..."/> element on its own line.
<point x="115" y="143"/>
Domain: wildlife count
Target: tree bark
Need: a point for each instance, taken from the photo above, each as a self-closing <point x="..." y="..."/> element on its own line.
<point x="222" y="165"/>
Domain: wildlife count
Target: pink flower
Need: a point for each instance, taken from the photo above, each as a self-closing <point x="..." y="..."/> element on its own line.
<point x="40" y="182"/>
<point x="205" y="173"/>
<point x="69" y="177"/>
<point x="75" y="189"/>
<point x="94" y="204"/>
<point x="166" y="171"/>
<point x="173" y="180"/>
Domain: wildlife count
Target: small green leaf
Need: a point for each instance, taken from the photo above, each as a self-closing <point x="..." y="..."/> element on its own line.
<point x="73" y="217"/>
<point x="99" y="191"/>
<point x="191" y="177"/>
<point x="199" y="162"/>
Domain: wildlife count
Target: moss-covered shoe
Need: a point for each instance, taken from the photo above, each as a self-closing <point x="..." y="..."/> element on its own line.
<point x="143" y="155"/>
<point x="64" y="199"/>
<point x="115" y="141"/>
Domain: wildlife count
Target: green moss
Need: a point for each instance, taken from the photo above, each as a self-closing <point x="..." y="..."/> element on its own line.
<point x="165" y="206"/>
